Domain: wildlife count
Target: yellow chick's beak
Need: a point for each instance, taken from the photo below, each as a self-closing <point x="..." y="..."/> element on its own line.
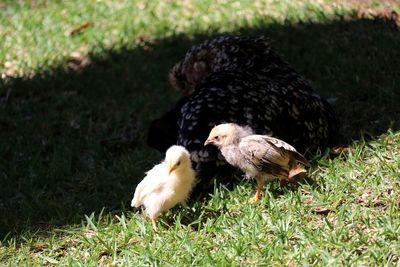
<point x="171" y="168"/>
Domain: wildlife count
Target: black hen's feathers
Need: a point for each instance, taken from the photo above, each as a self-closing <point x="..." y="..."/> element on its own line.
<point x="242" y="80"/>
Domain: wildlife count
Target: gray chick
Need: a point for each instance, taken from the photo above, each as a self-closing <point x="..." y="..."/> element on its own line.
<point x="258" y="156"/>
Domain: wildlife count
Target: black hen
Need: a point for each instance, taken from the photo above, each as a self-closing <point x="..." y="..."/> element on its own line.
<point x="241" y="80"/>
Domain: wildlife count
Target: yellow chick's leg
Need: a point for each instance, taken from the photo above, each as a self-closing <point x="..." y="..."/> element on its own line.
<point x="257" y="196"/>
<point x="153" y="221"/>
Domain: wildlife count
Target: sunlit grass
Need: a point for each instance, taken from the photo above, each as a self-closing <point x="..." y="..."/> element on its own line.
<point x="67" y="177"/>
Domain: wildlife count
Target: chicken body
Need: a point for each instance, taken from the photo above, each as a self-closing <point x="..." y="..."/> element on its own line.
<point x="258" y="156"/>
<point x="166" y="184"/>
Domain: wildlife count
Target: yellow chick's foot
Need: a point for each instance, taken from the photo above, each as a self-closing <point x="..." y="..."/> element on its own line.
<point x="153" y="221"/>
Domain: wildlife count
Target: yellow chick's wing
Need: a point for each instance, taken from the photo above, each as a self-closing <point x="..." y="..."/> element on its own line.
<point x="154" y="182"/>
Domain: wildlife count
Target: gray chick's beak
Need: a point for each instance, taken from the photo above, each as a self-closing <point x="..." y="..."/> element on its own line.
<point x="207" y="142"/>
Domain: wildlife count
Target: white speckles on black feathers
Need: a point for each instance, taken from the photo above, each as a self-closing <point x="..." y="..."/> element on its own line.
<point x="242" y="80"/>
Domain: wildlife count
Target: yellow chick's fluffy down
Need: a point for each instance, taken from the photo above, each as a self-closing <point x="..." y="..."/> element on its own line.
<point x="166" y="184"/>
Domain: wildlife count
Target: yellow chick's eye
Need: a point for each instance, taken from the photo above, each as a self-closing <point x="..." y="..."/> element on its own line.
<point x="179" y="163"/>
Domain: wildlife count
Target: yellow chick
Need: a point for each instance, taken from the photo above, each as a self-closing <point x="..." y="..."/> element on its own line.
<point x="166" y="184"/>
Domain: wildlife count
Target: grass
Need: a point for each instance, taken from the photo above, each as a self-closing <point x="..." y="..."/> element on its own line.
<point x="67" y="176"/>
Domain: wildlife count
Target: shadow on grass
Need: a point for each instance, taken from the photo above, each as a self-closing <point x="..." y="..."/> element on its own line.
<point x="62" y="155"/>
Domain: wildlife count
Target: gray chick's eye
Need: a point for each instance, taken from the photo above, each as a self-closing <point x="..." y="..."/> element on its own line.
<point x="216" y="138"/>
